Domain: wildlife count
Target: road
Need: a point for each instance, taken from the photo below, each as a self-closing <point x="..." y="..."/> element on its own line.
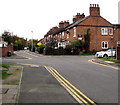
<point x="98" y="82"/>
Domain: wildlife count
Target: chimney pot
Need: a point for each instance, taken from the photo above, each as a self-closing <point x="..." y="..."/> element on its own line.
<point x="94" y="10"/>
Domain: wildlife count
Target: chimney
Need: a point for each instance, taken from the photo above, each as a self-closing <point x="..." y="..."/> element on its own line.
<point x="74" y="19"/>
<point x="66" y="23"/>
<point x="61" y="24"/>
<point x="94" y="10"/>
<point x="78" y="17"/>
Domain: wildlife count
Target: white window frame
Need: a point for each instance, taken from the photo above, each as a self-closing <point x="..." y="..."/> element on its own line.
<point x="104" y="47"/>
<point x="104" y="31"/>
<point x="74" y="29"/>
<point x="111" y="31"/>
<point x="62" y="35"/>
<point x="68" y="34"/>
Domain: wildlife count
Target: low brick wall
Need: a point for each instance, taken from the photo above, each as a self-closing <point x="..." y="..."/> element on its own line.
<point x="118" y="53"/>
<point x="4" y="50"/>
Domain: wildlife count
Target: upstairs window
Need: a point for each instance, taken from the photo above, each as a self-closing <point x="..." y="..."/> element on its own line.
<point x="74" y="31"/>
<point x="104" y="31"/>
<point x="110" y="31"/>
<point x="68" y="34"/>
<point x="62" y="35"/>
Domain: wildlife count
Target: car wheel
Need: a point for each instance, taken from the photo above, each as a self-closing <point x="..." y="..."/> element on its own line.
<point x="105" y="55"/>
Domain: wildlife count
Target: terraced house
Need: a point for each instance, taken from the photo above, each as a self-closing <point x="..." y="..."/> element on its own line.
<point x="102" y="33"/>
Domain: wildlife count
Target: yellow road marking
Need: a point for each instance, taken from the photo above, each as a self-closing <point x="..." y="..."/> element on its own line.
<point x="64" y="81"/>
<point x="67" y="86"/>
<point x="103" y="64"/>
<point x="73" y="86"/>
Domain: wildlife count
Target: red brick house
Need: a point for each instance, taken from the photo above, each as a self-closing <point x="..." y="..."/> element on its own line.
<point x="5" y="48"/>
<point x="103" y="34"/>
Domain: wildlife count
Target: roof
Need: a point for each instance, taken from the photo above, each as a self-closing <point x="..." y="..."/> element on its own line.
<point x="77" y="22"/>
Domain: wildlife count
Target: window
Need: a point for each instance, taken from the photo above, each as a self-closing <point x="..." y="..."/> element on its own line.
<point x="104" y="44"/>
<point x="74" y="31"/>
<point x="104" y="31"/>
<point x="68" y="34"/>
<point x="62" y="35"/>
<point x="110" y="31"/>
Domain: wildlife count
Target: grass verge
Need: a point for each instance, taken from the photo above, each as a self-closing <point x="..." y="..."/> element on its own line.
<point x="10" y="76"/>
<point x="112" y="59"/>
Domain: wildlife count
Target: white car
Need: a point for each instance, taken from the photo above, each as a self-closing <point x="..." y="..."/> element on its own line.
<point x="107" y="53"/>
<point x="25" y="48"/>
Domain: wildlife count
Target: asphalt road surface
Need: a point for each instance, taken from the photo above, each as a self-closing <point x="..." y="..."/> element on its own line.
<point x="98" y="82"/>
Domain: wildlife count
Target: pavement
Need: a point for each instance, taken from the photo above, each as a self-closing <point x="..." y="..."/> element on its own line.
<point x="8" y="93"/>
<point x="42" y="87"/>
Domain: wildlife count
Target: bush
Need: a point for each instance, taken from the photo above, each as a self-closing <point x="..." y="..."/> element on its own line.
<point x="48" y="50"/>
<point x="40" y="49"/>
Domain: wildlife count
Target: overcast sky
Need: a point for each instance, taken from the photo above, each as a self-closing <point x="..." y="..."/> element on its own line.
<point x="23" y="16"/>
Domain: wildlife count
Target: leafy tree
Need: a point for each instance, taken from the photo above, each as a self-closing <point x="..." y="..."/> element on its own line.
<point x="7" y="37"/>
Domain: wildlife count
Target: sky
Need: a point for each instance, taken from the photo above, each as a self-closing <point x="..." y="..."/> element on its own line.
<point x="21" y="17"/>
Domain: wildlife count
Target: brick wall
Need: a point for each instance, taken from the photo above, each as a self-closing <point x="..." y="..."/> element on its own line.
<point x="4" y="50"/>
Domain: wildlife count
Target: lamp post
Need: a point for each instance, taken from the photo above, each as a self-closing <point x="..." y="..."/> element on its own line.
<point x="32" y="41"/>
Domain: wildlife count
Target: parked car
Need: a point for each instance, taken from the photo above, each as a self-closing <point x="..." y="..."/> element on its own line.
<point x="25" y="48"/>
<point x="107" y="53"/>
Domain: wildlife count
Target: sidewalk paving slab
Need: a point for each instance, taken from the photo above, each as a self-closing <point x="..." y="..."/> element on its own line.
<point x="39" y="86"/>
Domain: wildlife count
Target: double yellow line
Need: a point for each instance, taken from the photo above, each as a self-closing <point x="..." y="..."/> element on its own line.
<point x="70" y="87"/>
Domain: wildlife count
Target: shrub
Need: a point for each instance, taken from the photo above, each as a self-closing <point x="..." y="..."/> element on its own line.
<point x="48" y="50"/>
<point x="40" y="49"/>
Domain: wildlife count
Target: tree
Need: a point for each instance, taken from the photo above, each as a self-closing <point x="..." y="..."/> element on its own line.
<point x="7" y="37"/>
<point x="19" y="43"/>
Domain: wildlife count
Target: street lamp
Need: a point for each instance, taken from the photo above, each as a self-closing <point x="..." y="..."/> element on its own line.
<point x="32" y="41"/>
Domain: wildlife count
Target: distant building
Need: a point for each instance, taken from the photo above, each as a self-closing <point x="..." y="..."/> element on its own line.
<point x="103" y="34"/>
